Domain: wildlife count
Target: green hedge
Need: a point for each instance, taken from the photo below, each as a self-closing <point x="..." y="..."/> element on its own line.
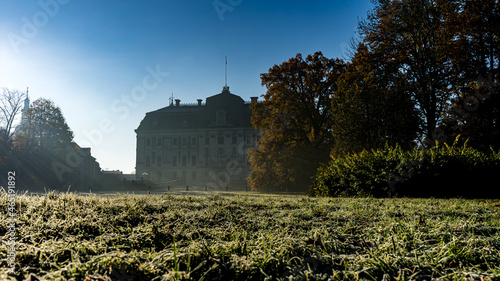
<point x="442" y="171"/>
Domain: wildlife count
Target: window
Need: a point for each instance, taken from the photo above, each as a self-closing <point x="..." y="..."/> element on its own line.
<point x="207" y="155"/>
<point x="174" y="161"/>
<point x="193" y="141"/>
<point x="174" y="141"/>
<point x="148" y="161"/>
<point x="158" y="142"/>
<point x="234" y="154"/>
<point x="220" y="139"/>
<point x="234" y="139"/>
<point x="193" y="160"/>
<point x="221" y="156"/>
<point x="148" y="142"/>
<point x="183" y="161"/>
<point x="221" y="117"/>
<point x="184" y="141"/>
<point x="158" y="161"/>
<point x="207" y="140"/>
<point x="153" y="157"/>
<point x="193" y="175"/>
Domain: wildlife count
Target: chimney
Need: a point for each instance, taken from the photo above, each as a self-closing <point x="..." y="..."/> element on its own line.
<point x="254" y="99"/>
<point x="177" y="102"/>
<point x="199" y="102"/>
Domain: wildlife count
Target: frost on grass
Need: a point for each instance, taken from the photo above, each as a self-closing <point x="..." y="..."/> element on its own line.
<point x="64" y="236"/>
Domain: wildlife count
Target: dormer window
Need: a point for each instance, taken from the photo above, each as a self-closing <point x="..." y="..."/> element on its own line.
<point x="221" y="117"/>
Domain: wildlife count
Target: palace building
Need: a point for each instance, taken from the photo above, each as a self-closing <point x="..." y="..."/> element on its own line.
<point x="201" y="144"/>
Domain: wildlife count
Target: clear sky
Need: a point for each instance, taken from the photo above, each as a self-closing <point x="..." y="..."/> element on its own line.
<point x="106" y="63"/>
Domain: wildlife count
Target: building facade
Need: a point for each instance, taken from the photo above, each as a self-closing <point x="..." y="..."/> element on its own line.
<point x="203" y="144"/>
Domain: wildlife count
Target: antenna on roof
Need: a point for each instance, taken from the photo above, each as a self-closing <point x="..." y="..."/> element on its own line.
<point x="171" y="99"/>
<point x="225" y="89"/>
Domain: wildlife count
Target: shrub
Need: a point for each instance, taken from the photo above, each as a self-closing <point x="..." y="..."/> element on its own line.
<point x="442" y="171"/>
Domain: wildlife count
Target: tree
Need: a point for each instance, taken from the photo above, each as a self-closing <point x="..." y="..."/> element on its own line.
<point x="295" y="122"/>
<point x="11" y="102"/>
<point x="43" y="143"/>
<point x="411" y="38"/>
<point x="45" y="130"/>
<point x="366" y="113"/>
<point x="10" y="109"/>
<point x="475" y="109"/>
<point x="5" y="151"/>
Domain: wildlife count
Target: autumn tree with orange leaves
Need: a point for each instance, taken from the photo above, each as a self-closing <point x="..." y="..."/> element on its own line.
<point x="295" y="122"/>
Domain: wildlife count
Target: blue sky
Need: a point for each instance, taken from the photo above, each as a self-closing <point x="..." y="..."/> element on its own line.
<point x="107" y="63"/>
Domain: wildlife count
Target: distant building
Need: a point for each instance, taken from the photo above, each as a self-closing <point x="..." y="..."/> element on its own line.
<point x="203" y="144"/>
<point x="88" y="168"/>
<point x="111" y="172"/>
<point x="25" y="109"/>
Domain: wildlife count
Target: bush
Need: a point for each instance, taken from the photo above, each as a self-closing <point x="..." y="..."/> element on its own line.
<point x="442" y="171"/>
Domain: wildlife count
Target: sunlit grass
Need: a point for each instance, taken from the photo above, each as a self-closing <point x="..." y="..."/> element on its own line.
<point x="213" y="237"/>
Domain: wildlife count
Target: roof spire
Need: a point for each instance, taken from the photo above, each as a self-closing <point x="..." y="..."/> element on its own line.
<point x="26" y="100"/>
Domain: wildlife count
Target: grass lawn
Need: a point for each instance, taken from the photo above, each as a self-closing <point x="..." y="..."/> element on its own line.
<point x="64" y="236"/>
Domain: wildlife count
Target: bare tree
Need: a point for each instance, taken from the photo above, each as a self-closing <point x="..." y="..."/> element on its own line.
<point x="11" y="104"/>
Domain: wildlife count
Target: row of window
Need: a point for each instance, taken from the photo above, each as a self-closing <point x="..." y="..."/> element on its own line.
<point x="184" y="161"/>
<point x="183" y="175"/>
<point x="159" y="176"/>
<point x="188" y="141"/>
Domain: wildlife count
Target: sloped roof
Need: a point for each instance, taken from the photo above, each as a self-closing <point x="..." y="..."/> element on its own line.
<point x="185" y="117"/>
<point x="224" y="97"/>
